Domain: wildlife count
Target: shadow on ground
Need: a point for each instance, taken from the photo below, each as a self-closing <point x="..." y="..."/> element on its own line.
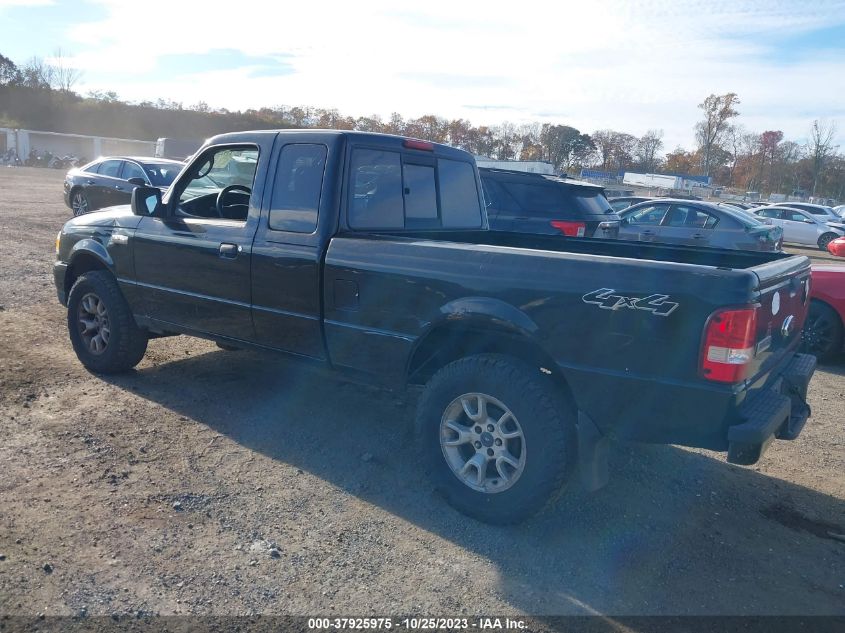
<point x="674" y="532"/>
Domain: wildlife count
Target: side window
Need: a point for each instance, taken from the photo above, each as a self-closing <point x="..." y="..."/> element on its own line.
<point x="678" y="216"/>
<point x="770" y="213"/>
<point x="295" y="202"/>
<point x="376" y="179"/>
<point x="459" y="204"/>
<point x="110" y="168"/>
<point x="649" y="215"/>
<point x="420" y="192"/>
<point x="389" y="195"/>
<point x="131" y="170"/>
<point x="794" y="216"/>
<point x="710" y="221"/>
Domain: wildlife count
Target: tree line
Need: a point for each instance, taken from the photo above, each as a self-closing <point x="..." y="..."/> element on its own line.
<point x="41" y="95"/>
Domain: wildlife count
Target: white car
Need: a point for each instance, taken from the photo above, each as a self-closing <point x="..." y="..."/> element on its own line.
<point x="803" y="227"/>
<point x="840" y="210"/>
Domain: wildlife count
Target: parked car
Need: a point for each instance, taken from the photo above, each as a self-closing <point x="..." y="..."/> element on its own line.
<point x="742" y="206"/>
<point x="674" y="221"/>
<point x="368" y="254"/>
<point x="521" y="202"/>
<point x="621" y="203"/>
<point x="802" y="227"/>
<point x="815" y="209"/>
<point x="823" y="330"/>
<point x="109" y="181"/>
<point x="837" y="247"/>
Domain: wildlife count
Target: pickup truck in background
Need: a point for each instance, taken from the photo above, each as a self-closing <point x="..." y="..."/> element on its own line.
<point x="370" y="254"/>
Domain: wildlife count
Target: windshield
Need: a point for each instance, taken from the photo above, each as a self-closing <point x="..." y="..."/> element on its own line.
<point x="162" y="174"/>
<point x="224" y="168"/>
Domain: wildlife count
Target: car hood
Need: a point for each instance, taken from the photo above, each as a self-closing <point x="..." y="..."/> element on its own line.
<point x="119" y="216"/>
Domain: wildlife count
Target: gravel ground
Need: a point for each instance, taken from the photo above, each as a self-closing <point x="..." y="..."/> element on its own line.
<point x="212" y="482"/>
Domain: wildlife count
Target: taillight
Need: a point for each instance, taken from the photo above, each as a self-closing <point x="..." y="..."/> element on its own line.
<point x="729" y="345"/>
<point x="415" y="143"/>
<point x="572" y="229"/>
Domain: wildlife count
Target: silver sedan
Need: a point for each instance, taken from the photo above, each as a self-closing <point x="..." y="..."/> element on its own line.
<point x="802" y="227"/>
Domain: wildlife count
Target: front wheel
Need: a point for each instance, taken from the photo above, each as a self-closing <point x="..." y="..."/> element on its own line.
<point x="101" y="326"/>
<point x="823" y="332"/>
<point x="498" y="441"/>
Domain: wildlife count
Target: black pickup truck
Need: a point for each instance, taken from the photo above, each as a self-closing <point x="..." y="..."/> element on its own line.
<point x="370" y="254"/>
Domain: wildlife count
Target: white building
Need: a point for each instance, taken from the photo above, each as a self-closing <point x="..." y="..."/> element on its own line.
<point x="530" y="166"/>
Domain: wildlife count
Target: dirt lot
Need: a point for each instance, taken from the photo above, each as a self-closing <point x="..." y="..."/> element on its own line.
<point x="210" y="482"/>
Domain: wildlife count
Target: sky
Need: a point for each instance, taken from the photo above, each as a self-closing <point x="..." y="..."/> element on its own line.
<point x="628" y="65"/>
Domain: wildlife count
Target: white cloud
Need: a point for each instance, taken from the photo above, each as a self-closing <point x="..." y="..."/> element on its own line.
<point x="624" y="65"/>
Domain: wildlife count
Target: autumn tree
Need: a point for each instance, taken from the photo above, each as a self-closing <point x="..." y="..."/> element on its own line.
<point x="9" y="73"/>
<point x="718" y="110"/>
<point x="820" y="147"/>
<point x="648" y="148"/>
<point x="562" y="145"/>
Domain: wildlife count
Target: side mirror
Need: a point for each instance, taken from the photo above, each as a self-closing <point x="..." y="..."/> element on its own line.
<point x="138" y="182"/>
<point x="146" y="201"/>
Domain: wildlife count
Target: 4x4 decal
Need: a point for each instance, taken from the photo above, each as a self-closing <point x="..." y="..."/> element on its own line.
<point x="607" y="300"/>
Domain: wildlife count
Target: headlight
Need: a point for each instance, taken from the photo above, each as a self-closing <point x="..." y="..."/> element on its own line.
<point x="58" y="241"/>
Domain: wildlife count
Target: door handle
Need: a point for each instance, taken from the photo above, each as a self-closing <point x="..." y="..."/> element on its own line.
<point x="118" y="187"/>
<point x="698" y="236"/>
<point x="90" y="182"/>
<point x="229" y="251"/>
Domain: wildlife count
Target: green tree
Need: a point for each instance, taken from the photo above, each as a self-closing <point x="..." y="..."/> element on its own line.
<point x="718" y="111"/>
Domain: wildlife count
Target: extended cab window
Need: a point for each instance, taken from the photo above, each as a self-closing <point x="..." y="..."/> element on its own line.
<point x="387" y="194"/>
<point x="219" y="184"/>
<point x="296" y="193"/>
<point x="459" y="204"/>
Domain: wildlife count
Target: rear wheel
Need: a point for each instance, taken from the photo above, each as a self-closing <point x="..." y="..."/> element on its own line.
<point x="497" y="441"/>
<point x="79" y="202"/>
<point x="826" y="239"/>
<point x="823" y="332"/>
<point x="101" y="326"/>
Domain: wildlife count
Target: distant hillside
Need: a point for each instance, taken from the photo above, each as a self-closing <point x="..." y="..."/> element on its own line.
<point x="55" y="111"/>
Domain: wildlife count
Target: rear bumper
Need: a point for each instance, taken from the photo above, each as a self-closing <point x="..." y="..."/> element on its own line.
<point x="778" y="410"/>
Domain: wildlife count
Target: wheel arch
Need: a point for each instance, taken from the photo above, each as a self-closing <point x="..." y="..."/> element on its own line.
<point x="86" y="255"/>
<point x="481" y="326"/>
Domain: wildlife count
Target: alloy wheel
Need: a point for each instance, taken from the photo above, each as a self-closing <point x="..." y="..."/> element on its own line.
<point x="92" y="318"/>
<point x="482" y="442"/>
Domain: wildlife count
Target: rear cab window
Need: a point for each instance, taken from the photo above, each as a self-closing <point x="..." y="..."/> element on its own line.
<point x="398" y="190"/>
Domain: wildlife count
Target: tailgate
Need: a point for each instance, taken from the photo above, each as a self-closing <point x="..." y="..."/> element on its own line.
<point x="784" y="297"/>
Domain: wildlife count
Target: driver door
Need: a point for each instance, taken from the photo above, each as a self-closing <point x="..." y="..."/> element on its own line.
<point x="193" y="265"/>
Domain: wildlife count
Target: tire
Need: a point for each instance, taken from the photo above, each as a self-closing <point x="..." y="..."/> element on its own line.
<point x="826" y="239"/>
<point x="545" y="452"/>
<point x="101" y="326"/>
<point x="79" y="203"/>
<point x="822" y="335"/>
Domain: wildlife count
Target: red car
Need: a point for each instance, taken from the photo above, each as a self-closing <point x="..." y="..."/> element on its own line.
<point x="823" y="330"/>
<point x="837" y="247"/>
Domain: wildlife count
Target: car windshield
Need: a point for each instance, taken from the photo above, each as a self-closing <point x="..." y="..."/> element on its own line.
<point x="162" y="174"/>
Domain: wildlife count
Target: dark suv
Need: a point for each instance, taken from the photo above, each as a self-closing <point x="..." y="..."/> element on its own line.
<point x="521" y="202"/>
